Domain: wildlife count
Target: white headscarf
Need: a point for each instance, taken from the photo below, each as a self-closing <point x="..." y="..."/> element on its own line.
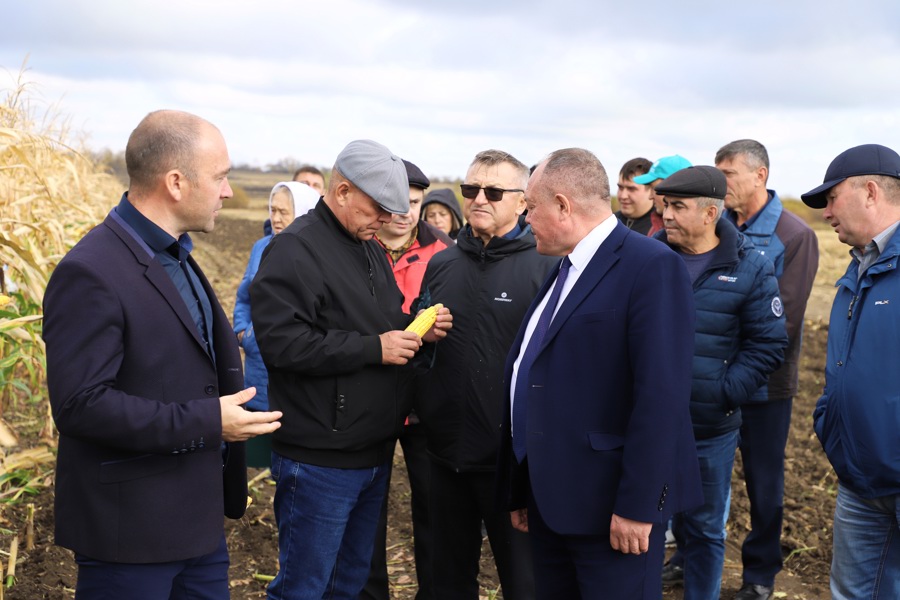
<point x="304" y="197"/>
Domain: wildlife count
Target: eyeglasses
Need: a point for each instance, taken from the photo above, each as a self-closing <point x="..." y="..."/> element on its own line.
<point x="494" y="194"/>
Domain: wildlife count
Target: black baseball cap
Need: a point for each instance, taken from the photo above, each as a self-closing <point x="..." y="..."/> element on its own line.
<point x="868" y="159"/>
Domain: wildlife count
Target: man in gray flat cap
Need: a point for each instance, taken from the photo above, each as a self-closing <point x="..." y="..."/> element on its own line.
<point x="738" y="341"/>
<point x="329" y="323"/>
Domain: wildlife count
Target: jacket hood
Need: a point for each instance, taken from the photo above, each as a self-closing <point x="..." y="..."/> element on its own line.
<point x="446" y="197"/>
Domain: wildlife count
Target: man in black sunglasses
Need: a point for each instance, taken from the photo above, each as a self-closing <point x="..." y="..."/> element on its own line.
<point x="488" y="280"/>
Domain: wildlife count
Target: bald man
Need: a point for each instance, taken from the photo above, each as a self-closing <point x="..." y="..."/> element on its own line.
<point x="145" y="381"/>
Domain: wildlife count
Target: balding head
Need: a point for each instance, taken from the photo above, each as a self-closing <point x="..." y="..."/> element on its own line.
<point x="567" y="195"/>
<point x="164" y="140"/>
<point x="578" y="174"/>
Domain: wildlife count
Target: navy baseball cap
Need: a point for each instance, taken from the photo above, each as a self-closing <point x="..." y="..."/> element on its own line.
<point x="868" y="159"/>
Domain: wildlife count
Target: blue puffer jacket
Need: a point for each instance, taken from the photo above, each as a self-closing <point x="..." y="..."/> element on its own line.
<point x="255" y="373"/>
<point x="857" y="418"/>
<point x="740" y="335"/>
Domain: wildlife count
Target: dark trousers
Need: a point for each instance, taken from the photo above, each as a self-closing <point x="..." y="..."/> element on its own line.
<point x="417" y="468"/>
<point x="201" y="578"/>
<point x="585" y="567"/>
<point x="460" y="502"/>
<point x="764" y="434"/>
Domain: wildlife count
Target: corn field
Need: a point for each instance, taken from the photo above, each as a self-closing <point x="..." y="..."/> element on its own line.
<point x="51" y="194"/>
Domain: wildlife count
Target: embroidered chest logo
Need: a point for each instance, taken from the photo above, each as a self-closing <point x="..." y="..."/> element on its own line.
<point x="882" y="302"/>
<point x="502" y="298"/>
<point x="727" y="278"/>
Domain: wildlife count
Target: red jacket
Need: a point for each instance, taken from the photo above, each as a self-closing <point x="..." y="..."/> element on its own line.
<point x="409" y="270"/>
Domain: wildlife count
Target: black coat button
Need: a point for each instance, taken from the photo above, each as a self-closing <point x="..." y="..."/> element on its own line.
<point x="210" y="390"/>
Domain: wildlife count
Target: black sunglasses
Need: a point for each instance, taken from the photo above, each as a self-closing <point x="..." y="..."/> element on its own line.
<point x="493" y="194"/>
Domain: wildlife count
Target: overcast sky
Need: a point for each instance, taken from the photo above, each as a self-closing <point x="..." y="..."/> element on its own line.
<point x="439" y="81"/>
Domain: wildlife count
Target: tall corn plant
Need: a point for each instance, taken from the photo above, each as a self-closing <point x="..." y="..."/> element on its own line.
<point x="51" y="194"/>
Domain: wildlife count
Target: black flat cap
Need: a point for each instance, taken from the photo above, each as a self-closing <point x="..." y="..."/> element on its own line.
<point x="415" y="175"/>
<point x="694" y="182"/>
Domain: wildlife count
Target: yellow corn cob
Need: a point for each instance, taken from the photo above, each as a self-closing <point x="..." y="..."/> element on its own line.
<point x="424" y="321"/>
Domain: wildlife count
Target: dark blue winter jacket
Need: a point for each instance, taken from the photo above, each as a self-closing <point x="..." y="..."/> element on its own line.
<point x="740" y="335"/>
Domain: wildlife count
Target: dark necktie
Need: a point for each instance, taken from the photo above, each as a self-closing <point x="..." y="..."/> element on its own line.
<point x="520" y="401"/>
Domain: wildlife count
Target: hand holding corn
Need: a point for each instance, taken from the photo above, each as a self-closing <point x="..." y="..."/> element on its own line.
<point x="433" y="323"/>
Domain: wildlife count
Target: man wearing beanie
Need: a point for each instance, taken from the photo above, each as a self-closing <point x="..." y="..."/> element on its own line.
<point x="328" y="319"/>
<point x="739" y="340"/>
<point x="409" y="245"/>
<point x="856" y="419"/>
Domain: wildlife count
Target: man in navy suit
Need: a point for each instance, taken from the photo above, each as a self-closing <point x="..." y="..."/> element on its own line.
<point x="145" y="381"/>
<point x="597" y="449"/>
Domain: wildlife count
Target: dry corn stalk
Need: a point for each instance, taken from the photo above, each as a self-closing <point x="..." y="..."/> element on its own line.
<point x="29" y="527"/>
<point x="13" y="557"/>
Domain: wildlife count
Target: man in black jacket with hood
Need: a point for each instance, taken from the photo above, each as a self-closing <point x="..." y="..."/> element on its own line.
<point x="488" y="280"/>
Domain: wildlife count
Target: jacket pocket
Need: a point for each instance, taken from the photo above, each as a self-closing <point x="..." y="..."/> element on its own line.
<point x="594" y="317"/>
<point x="128" y="469"/>
<point x="339" y="421"/>
<point x="605" y="441"/>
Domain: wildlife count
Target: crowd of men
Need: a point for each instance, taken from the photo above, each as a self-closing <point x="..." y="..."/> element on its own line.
<point x="580" y="396"/>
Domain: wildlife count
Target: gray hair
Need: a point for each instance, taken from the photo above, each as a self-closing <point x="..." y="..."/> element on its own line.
<point x="162" y="141"/>
<point x="490" y="158"/>
<point x="754" y="153"/>
<point x="890" y="185"/>
<point x="719" y="203"/>
<point x="581" y="175"/>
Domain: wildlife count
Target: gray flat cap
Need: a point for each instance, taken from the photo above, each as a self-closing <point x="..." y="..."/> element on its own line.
<point x="378" y="172"/>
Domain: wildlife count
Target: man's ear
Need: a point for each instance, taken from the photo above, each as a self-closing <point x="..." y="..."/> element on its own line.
<point x="563" y="206"/>
<point x="342" y="192"/>
<point x="873" y="191"/>
<point x="176" y="183"/>
<point x="712" y="212"/>
<point x="521" y="205"/>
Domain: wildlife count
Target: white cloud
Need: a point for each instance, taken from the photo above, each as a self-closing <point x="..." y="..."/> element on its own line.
<point x="437" y="82"/>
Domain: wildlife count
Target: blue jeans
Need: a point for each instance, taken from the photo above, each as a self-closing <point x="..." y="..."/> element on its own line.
<point x="704" y="528"/>
<point x="326" y="521"/>
<point x="866" y="557"/>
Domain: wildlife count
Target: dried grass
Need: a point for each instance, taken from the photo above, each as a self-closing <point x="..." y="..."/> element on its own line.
<point x="51" y="194"/>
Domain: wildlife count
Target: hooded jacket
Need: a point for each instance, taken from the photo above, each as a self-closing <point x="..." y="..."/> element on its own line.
<point x="740" y="336"/>
<point x="488" y="289"/>
<point x="410" y="268"/>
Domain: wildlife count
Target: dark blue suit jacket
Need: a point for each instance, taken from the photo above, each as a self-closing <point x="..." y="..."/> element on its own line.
<point x="135" y="397"/>
<point x="608" y="427"/>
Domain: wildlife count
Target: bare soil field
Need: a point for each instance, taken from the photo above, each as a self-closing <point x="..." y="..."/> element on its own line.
<point x="49" y="572"/>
